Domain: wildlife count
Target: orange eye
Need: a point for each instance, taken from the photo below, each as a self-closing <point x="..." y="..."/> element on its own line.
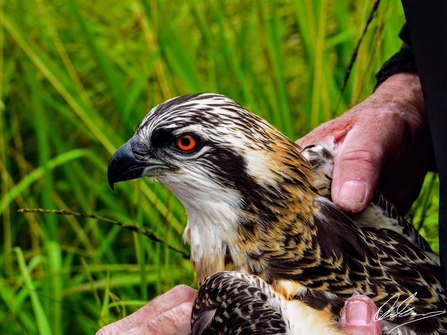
<point x="186" y="142"/>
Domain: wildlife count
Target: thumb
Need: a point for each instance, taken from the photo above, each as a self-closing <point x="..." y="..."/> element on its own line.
<point x="357" y="166"/>
<point x="359" y="317"/>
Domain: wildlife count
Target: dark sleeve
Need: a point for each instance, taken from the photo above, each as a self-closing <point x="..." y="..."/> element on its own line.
<point x="427" y="27"/>
<point x="402" y="61"/>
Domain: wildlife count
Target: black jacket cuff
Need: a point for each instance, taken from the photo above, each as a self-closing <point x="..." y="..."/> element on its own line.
<point x="402" y="61"/>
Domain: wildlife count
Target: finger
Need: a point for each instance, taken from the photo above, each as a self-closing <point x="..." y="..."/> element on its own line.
<point x="177" y="295"/>
<point x="357" y="167"/>
<point x="359" y="317"/>
<point x="160" y="306"/>
<point x="175" y="321"/>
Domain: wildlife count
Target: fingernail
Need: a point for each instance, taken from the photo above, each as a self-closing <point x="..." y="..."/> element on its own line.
<point x="352" y="190"/>
<point x="358" y="313"/>
<point x="358" y="317"/>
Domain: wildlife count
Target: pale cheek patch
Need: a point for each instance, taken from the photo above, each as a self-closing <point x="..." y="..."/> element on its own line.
<point x="260" y="167"/>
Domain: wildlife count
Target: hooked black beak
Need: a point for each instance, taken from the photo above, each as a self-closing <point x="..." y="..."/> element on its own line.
<point x="125" y="166"/>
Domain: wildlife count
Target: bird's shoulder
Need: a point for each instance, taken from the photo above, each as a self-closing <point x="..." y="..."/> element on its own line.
<point x="380" y="213"/>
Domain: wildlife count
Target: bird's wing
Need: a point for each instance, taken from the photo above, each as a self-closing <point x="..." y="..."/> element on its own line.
<point x="237" y="303"/>
<point x="380" y="212"/>
<point x="234" y="303"/>
<point x="376" y="262"/>
<point x="379" y="207"/>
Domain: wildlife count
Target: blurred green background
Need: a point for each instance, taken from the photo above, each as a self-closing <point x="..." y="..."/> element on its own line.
<point x="78" y="76"/>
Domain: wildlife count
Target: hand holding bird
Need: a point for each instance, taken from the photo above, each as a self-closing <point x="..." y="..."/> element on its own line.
<point x="254" y="208"/>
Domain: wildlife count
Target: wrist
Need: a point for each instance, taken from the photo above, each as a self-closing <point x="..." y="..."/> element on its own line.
<point x="401" y="62"/>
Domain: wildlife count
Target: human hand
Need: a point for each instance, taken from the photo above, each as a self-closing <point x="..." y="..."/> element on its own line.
<point x="358" y="317"/>
<point x="168" y="314"/>
<point x="383" y="142"/>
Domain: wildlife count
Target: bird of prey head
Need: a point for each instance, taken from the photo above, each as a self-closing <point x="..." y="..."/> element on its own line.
<point x="234" y="173"/>
<point x="257" y="206"/>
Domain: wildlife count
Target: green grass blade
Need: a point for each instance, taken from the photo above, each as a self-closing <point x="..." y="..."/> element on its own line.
<point x="42" y="322"/>
<point x="111" y="76"/>
<point x="38" y="173"/>
<point x="85" y="115"/>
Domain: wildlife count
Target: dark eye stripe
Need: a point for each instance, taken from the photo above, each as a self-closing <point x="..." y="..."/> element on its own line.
<point x="160" y="138"/>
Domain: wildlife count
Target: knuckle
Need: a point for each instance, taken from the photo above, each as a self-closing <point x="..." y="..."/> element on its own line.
<point x="362" y="156"/>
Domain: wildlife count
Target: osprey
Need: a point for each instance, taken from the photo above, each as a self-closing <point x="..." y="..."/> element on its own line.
<point x="257" y="206"/>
